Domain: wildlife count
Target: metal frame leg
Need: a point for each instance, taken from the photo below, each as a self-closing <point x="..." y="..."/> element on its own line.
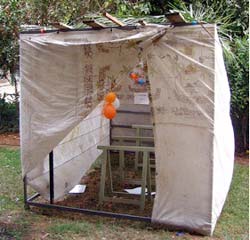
<point x="51" y="177"/>
<point x="149" y="184"/>
<point x="25" y="194"/>
<point x="144" y="179"/>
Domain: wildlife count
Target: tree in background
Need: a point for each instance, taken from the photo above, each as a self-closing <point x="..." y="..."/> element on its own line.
<point x="9" y="49"/>
<point x="14" y="13"/>
<point x="238" y="71"/>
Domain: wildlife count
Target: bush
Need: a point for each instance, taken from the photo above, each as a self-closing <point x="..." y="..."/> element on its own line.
<point x="238" y="72"/>
<point x="9" y="117"/>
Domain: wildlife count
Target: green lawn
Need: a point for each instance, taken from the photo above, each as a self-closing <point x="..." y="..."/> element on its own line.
<point x="16" y="223"/>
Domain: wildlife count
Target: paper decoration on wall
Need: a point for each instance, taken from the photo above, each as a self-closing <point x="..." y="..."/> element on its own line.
<point x="141" y="98"/>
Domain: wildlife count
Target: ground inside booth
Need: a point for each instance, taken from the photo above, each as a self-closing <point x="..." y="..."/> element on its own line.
<point x="89" y="199"/>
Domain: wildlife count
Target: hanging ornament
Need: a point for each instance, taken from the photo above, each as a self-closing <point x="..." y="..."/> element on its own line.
<point x="110" y="97"/>
<point x="138" y="74"/>
<point x="141" y="81"/>
<point x="109" y="111"/>
<point x="110" y="106"/>
<point x="134" y="76"/>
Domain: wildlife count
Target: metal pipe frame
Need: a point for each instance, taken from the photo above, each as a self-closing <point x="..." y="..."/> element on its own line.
<point x="89" y="211"/>
<point x="51" y="177"/>
<point x="133" y="112"/>
<point x="127" y="27"/>
<point x="37" y="31"/>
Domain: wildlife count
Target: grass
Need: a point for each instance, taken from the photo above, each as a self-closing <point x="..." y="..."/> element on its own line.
<point x="234" y="221"/>
<point x="18" y="224"/>
<point x="10" y="179"/>
<point x="237" y="207"/>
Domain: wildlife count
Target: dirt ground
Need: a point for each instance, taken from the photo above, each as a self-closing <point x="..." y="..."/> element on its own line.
<point x="89" y="199"/>
<point x="10" y="139"/>
<point x="242" y="159"/>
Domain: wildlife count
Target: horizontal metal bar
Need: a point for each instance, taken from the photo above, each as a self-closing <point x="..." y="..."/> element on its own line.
<point x="128" y="148"/>
<point x="133" y="112"/>
<point x="120" y="126"/>
<point x="33" y="197"/>
<point x="130" y="126"/>
<point x="150" y="127"/>
<point x="36" y="31"/>
<point x="133" y="138"/>
<point x="90" y="212"/>
<point x="127" y="27"/>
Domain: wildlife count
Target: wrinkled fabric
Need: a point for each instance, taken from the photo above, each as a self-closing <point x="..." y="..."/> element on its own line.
<point x="64" y="78"/>
<point x="191" y="111"/>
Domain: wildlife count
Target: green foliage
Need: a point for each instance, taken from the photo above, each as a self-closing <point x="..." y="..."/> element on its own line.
<point x="47" y="11"/>
<point x="230" y="15"/>
<point x="75" y="227"/>
<point x="237" y="64"/>
<point x="123" y="8"/>
<point x="236" y="209"/>
<point x="10" y="14"/>
<point x="14" y="13"/>
<point x="10" y="178"/>
<point x="238" y="72"/>
<point x="9" y="119"/>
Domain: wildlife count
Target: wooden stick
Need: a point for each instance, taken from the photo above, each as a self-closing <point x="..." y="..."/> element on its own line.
<point x="113" y="19"/>
<point x="94" y="24"/>
<point x="142" y="22"/>
<point x="175" y="17"/>
<point x="61" y="26"/>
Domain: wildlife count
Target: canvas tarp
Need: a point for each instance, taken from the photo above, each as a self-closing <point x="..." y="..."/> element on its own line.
<point x="64" y="78"/>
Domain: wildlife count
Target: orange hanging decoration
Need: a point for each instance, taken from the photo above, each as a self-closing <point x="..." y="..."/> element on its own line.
<point x="109" y="111"/>
<point x="134" y="76"/>
<point x="110" y="97"/>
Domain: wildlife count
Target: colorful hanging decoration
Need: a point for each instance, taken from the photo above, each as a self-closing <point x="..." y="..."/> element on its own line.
<point x="109" y="111"/>
<point x="137" y="75"/>
<point x="110" y="97"/>
<point x="141" y="81"/>
<point x="134" y="76"/>
<point x="110" y="105"/>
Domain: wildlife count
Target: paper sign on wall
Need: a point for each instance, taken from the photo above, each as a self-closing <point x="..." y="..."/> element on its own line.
<point x="141" y="98"/>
